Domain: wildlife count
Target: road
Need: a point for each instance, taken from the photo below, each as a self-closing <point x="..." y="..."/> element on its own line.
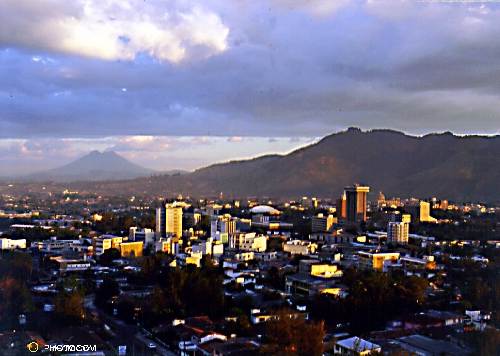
<point x="125" y="334"/>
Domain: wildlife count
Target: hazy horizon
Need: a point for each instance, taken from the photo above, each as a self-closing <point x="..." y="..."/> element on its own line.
<point x="219" y="143"/>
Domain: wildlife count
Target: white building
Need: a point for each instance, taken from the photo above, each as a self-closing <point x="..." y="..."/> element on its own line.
<point x="321" y="223"/>
<point x="247" y="241"/>
<point x="145" y="235"/>
<point x="169" y="245"/>
<point x="209" y="247"/>
<point x="397" y="232"/>
<point x="7" y="244"/>
<point x="299" y="247"/>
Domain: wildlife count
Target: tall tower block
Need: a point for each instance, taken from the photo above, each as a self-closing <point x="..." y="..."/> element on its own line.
<point x="356" y="200"/>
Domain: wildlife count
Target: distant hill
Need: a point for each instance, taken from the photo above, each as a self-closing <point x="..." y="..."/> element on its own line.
<point x="435" y="165"/>
<point x="460" y="168"/>
<point x="95" y="166"/>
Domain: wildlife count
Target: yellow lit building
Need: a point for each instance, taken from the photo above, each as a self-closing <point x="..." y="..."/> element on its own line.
<point x="131" y="249"/>
<point x="377" y="260"/>
<point x="103" y="243"/>
<point x="169" y="220"/>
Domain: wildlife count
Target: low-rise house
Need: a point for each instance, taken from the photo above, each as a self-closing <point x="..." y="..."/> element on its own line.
<point x="425" y="346"/>
<point x="305" y="284"/>
<point x="191" y="337"/>
<point x="416" y="321"/>
<point x="266" y="256"/>
<point x="477" y="316"/>
<point x="71" y="265"/>
<point x="261" y="316"/>
<point x="355" y="346"/>
<point x="446" y="317"/>
<point x="418" y="266"/>
<point x="230" y="347"/>
<point x="319" y="269"/>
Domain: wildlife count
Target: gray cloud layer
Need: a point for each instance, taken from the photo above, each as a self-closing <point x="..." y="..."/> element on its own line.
<point x="96" y="69"/>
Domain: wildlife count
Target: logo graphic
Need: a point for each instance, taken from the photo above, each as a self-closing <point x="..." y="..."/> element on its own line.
<point x="32" y="346"/>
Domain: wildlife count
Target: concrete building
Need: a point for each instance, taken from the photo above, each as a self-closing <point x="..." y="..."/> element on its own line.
<point x="395" y="216"/>
<point x="414" y="265"/>
<point x="322" y="223"/>
<point x="131" y="249"/>
<point x="319" y="269"/>
<point x="71" y="265"/>
<point x="192" y="218"/>
<point x="169" y="245"/>
<point x="209" y="247"/>
<point x="420" y="211"/>
<point x="377" y="260"/>
<point x="8" y="244"/>
<point x="168" y="220"/>
<point x="105" y="242"/>
<point x="247" y="241"/>
<point x="221" y="227"/>
<point x="356" y="203"/>
<point x="299" y="247"/>
<point x="307" y="285"/>
<point x="397" y="232"/>
<point x="147" y="236"/>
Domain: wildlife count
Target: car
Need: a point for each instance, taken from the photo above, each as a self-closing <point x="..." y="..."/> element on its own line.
<point x="152" y="345"/>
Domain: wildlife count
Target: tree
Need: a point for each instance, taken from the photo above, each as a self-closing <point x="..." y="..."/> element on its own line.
<point x="204" y="224"/>
<point x="108" y="288"/>
<point x="109" y="256"/>
<point x="294" y="336"/>
<point x="69" y="301"/>
<point x="485" y="343"/>
<point x="15" y="298"/>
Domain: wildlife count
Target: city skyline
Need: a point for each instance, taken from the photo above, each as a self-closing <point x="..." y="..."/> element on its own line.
<point x="187" y="84"/>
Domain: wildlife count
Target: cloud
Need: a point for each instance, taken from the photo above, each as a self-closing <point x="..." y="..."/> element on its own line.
<point x="114" y="30"/>
<point x="235" y="139"/>
<point x="242" y="69"/>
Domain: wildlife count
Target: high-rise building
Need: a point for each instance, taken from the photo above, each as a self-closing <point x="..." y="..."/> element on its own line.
<point x="169" y="220"/>
<point x="397" y="232"/>
<point x="420" y="211"/>
<point x="356" y="200"/>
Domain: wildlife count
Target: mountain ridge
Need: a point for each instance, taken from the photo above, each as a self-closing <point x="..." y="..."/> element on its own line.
<point x="94" y="166"/>
<point x="442" y="165"/>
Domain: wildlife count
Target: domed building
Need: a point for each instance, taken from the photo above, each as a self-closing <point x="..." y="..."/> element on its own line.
<point x="267" y="217"/>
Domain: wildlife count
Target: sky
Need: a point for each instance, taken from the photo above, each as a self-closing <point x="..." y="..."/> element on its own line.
<point x="183" y="84"/>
